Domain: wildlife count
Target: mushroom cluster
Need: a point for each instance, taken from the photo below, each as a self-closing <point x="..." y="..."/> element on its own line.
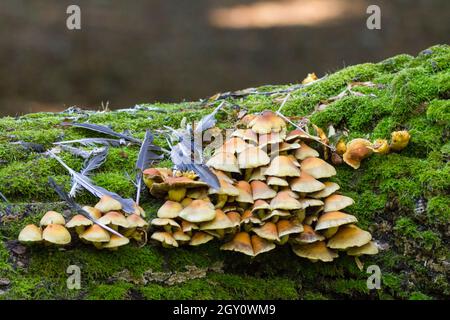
<point x="274" y="190"/>
<point x="107" y="212"/>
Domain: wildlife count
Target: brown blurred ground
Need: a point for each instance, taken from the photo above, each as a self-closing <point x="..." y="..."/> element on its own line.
<point x="141" y="51"/>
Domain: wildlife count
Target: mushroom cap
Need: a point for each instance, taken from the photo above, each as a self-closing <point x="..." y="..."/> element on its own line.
<point x="315" y="251"/>
<point x="285" y="146"/>
<point x="294" y="160"/>
<point x="93" y="212"/>
<point x="267" y="122"/>
<point x="357" y="150"/>
<point x="248" y="217"/>
<point x="349" y="236"/>
<point x="225" y="188"/>
<point x="317" y="168"/>
<point x="267" y="231"/>
<point x="30" y="233"/>
<point x="116" y="241"/>
<point x="270" y="138"/>
<point x="165" y="238"/>
<point x="160" y="189"/>
<point x="170" y="209"/>
<point x="107" y="204"/>
<point x="181" y="236"/>
<point x="296" y="134"/>
<point x="252" y="157"/>
<point x="223" y="176"/>
<point x="187" y="226"/>
<point x="276" y="181"/>
<point x="57" y="234"/>
<point x="261" y="245"/>
<point x="198" y="211"/>
<point x="283" y="166"/>
<point x="200" y="238"/>
<point x="221" y="221"/>
<point x="305" y="151"/>
<point x="369" y="248"/>
<point x="306" y="183"/>
<point x="225" y="161"/>
<point x="337" y="202"/>
<point x="240" y="243"/>
<point x="245" y="192"/>
<point x="52" y="217"/>
<point x="135" y="221"/>
<point x="258" y="174"/>
<point x="260" y="205"/>
<point x="78" y="221"/>
<point x="284" y="201"/>
<point x="165" y="222"/>
<point x="334" y="219"/>
<point x="95" y="233"/>
<point x="274" y="213"/>
<point x="399" y="140"/>
<point x="308" y="235"/>
<point x="286" y="227"/>
<point x="233" y="145"/>
<point x="260" y="190"/>
<point x="196" y="193"/>
<point x="138" y="210"/>
<point x="330" y="188"/>
<point x="310" y="203"/>
<point x="157" y="174"/>
<point x="246" y="135"/>
<point x="114" y="218"/>
<point x="380" y="146"/>
<point x="235" y="218"/>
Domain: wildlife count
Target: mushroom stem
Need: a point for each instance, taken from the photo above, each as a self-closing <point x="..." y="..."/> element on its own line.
<point x="98" y="245"/>
<point x="177" y="194"/>
<point x="283" y="240"/>
<point x="328" y="233"/>
<point x="275" y="188"/>
<point x="168" y="228"/>
<point x="248" y="174"/>
<point x="79" y="229"/>
<point x="222" y="199"/>
<point x="300" y="214"/>
<point x="128" y="232"/>
<point x="275" y="219"/>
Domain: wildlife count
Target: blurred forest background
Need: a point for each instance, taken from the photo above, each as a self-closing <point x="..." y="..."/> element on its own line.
<point x="129" y="52"/>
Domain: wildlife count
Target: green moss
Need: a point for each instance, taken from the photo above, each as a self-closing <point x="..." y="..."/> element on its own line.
<point x="419" y="296"/>
<point x="439" y="111"/>
<point x="438" y="209"/>
<point x="116" y="291"/>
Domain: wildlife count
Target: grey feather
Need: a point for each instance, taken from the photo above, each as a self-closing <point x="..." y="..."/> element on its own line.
<point x="75" y="206"/>
<point x="145" y="158"/>
<point x="94" y="141"/>
<point x="128" y="205"/>
<point x="3" y="197"/>
<point x="102" y="129"/>
<point x="90" y="165"/>
<point x="209" y="121"/>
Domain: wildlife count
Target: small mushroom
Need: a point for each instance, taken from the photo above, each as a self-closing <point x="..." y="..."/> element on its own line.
<point x="224" y="161"/>
<point x="337" y="202"/>
<point x="79" y="222"/>
<point x="246" y="135"/>
<point x="296" y="134"/>
<point x="399" y="140"/>
<point x="52" y="217"/>
<point x="330" y="188"/>
<point x="317" y="168"/>
<point x="305" y="151"/>
<point x="115" y="241"/>
<point x="269" y="139"/>
<point x="187" y="226"/>
<point x="233" y="145"/>
<point x="369" y="248"/>
<point x="134" y="221"/>
<point x="334" y="219"/>
<point x="315" y="251"/>
<point x="282" y="166"/>
<point x="284" y="201"/>
<point x="260" y="190"/>
<point x="30" y="233"/>
<point x="93" y="212"/>
<point x="166" y="239"/>
<point x="181" y="237"/>
<point x="240" y="243"/>
<point x="198" y="211"/>
<point x="308" y="235"/>
<point x="258" y="174"/>
<point x="57" y="234"/>
<point x="276" y="182"/>
<point x="357" y="150"/>
<point x="275" y="215"/>
<point x="200" y="238"/>
<point x="261" y="245"/>
<point x="306" y="183"/>
<point x="170" y="209"/>
<point x="349" y="236"/>
<point x="245" y="192"/>
<point x="380" y="146"/>
<point x="267" y="231"/>
<point x="107" y="204"/>
<point x="219" y="223"/>
<point x="166" y="223"/>
<point x="97" y="235"/>
<point x="286" y="227"/>
<point x="226" y="190"/>
<point x="267" y="122"/>
<point x="252" y="157"/>
<point x="114" y="219"/>
<point x="249" y="218"/>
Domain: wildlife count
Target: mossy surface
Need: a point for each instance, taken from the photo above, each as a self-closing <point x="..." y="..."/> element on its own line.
<point x="402" y="198"/>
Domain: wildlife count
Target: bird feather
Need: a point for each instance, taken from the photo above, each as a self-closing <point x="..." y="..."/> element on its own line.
<point x="102" y="129"/>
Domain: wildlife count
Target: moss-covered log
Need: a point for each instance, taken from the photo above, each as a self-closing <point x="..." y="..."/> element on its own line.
<point x="402" y="198"/>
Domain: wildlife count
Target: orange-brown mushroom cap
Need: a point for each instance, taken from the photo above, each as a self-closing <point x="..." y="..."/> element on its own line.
<point x="114" y="218"/>
<point x="349" y="236"/>
<point x="308" y="235"/>
<point x="357" y="150"/>
<point x="306" y="183"/>
<point x="252" y="157"/>
<point x="267" y="231"/>
<point x="267" y="122"/>
<point x="240" y="243"/>
<point x="78" y="221"/>
<point x="30" y="233"/>
<point x="282" y="166"/>
<point x="330" y="188"/>
<point x="245" y="192"/>
<point x="334" y="219"/>
<point x="170" y="209"/>
<point x="224" y="161"/>
<point x="261" y="245"/>
<point x="200" y="238"/>
<point x="107" y="204"/>
<point x="260" y="190"/>
<point x="305" y="151"/>
<point x="284" y="201"/>
<point x="315" y="251"/>
<point x="57" y="234"/>
<point x="317" y="168"/>
<point x="286" y="227"/>
<point x="198" y="211"/>
<point x="52" y="217"/>
<point x="337" y="202"/>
